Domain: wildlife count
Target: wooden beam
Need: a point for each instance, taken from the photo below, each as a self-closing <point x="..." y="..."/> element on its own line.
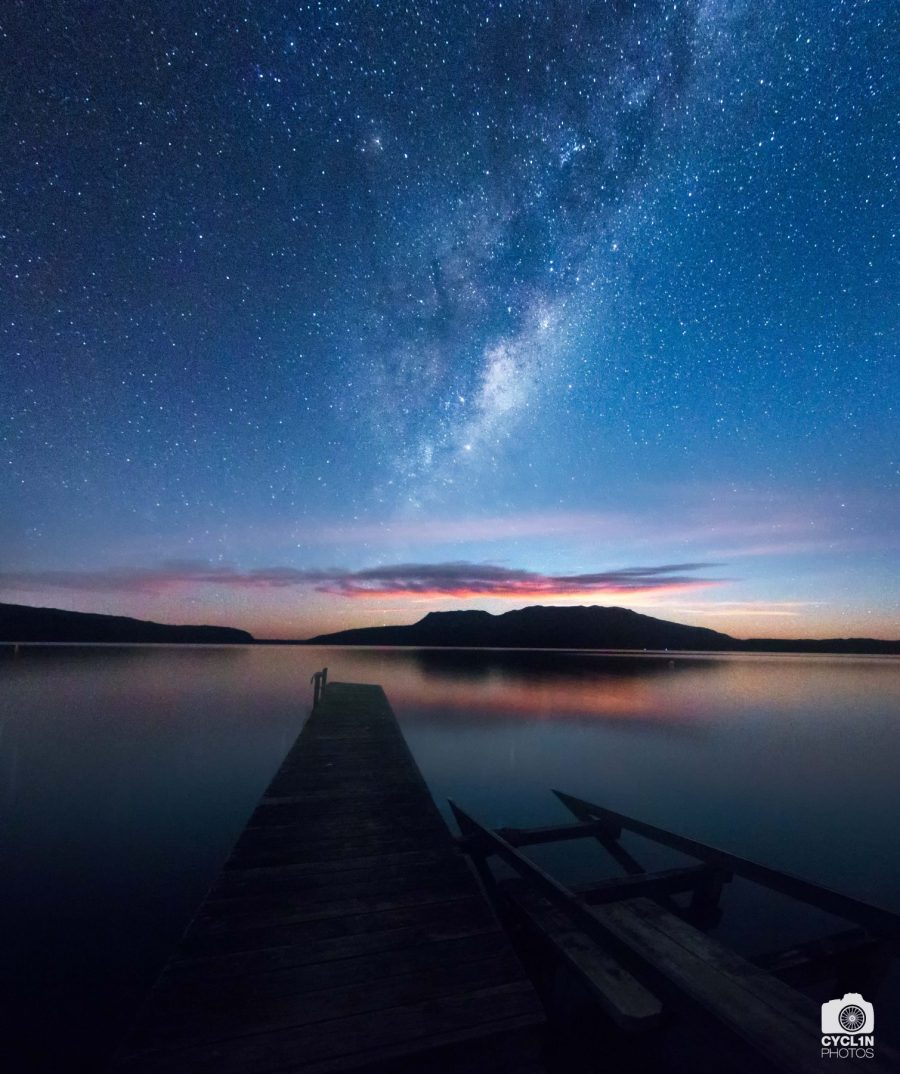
<point x="664" y="882"/>
<point x="632" y="1007"/>
<point x="556" y="833"/>
<point x="875" y="918"/>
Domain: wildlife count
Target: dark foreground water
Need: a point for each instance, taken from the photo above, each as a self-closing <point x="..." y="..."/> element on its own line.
<point x="126" y="774"/>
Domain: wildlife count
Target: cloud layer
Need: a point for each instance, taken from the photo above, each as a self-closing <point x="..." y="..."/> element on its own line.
<point x="460" y="580"/>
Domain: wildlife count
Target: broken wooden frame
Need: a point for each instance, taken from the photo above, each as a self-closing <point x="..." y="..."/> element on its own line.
<point x="881" y="922"/>
<point x="628" y="947"/>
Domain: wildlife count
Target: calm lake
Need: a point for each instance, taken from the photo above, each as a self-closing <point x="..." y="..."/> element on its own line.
<point x="127" y="773"/>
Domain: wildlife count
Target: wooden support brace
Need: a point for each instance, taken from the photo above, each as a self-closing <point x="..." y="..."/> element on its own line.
<point x="557" y="833"/>
<point x="694" y="878"/>
<point x="624" y="999"/>
<point x="875" y="918"/>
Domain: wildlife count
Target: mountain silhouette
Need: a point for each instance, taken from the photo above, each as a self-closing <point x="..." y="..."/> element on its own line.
<point x="592" y="627"/>
<point x="537" y="627"/>
<point x="19" y="622"/>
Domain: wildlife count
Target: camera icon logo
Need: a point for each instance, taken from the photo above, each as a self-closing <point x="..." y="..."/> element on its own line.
<point x="852" y="1014"/>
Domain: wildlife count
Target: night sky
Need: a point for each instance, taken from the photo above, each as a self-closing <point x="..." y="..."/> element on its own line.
<point x="317" y="315"/>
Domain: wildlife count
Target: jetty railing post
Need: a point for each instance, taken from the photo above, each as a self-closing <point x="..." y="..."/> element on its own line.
<point x="708" y="894"/>
<point x="318" y="680"/>
<point x="476" y="851"/>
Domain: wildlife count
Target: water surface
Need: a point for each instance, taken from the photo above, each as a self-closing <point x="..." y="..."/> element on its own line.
<point x="127" y="773"/>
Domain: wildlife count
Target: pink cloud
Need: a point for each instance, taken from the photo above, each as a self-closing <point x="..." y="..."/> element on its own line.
<point x="468" y="580"/>
<point x="458" y="579"/>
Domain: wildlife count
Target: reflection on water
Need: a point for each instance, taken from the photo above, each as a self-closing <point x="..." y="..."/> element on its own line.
<point x="126" y="773"/>
<point x="543" y="685"/>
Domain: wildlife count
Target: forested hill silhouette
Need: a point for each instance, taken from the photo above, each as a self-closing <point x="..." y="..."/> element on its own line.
<point x="592" y="627"/>
<point x="19" y="622"/>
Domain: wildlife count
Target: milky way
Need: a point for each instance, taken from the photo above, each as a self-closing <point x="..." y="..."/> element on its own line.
<point x="549" y="287"/>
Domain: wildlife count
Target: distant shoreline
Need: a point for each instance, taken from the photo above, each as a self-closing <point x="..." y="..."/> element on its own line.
<point x="567" y="629"/>
<point x="287" y="643"/>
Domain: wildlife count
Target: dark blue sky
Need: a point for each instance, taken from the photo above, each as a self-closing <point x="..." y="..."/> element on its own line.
<point x="553" y="290"/>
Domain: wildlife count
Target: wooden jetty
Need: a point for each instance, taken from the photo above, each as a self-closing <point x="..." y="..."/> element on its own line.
<point x="346" y="932"/>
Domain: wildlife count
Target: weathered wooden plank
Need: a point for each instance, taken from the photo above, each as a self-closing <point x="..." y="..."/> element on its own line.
<point x="333" y="784"/>
<point x="799" y="1017"/>
<point x="314" y="869"/>
<point x="209" y="1017"/>
<point x="299" y="809"/>
<point x="295" y="970"/>
<point x="670" y="937"/>
<point x="238" y="883"/>
<point x="320" y="827"/>
<point x="450" y="927"/>
<point x="325" y="854"/>
<point x="631" y="1006"/>
<point x="509" y="1046"/>
<point x="328" y="838"/>
<point x="240" y="914"/>
<point x="292" y="851"/>
<point x="413" y="1028"/>
<point x="471" y="909"/>
<point x="353" y="792"/>
<point x="364" y="897"/>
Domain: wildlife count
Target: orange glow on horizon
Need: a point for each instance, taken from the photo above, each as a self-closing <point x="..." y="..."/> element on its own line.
<point x="518" y="592"/>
